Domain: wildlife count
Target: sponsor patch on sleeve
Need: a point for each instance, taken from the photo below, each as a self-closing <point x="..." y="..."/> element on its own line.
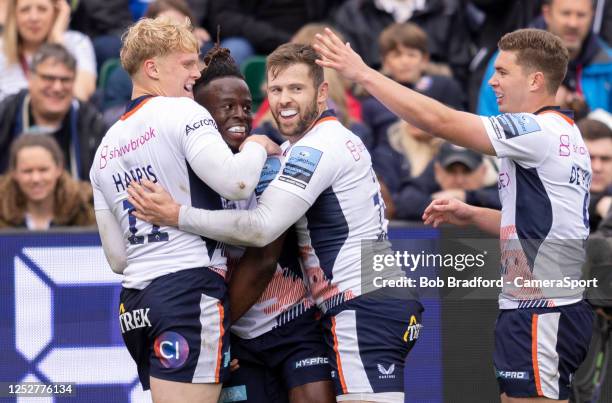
<point x="269" y="171"/>
<point x="300" y="166"/>
<point x="198" y="124"/>
<point x="510" y="125"/>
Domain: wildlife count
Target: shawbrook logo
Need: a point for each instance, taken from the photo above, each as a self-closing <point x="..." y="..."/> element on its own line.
<point x="386" y="373"/>
<point x="309" y="362"/>
<point x="518" y="375"/>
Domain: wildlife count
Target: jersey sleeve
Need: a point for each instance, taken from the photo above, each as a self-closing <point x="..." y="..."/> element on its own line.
<point x="197" y="129"/>
<point x="518" y="136"/>
<point x="99" y="200"/>
<point x="309" y="169"/>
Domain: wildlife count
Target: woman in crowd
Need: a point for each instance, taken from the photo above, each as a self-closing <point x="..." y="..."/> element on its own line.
<point x="37" y="193"/>
<point x="29" y="24"/>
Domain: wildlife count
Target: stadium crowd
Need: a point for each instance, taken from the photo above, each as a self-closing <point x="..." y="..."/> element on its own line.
<point x="444" y="49"/>
<point x="62" y="86"/>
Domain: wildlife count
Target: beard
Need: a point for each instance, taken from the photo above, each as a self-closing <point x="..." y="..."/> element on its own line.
<point x="306" y="120"/>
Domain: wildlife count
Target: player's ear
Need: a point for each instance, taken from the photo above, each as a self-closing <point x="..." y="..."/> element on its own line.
<point x="537" y="81"/>
<point x="323" y="92"/>
<point x="151" y="69"/>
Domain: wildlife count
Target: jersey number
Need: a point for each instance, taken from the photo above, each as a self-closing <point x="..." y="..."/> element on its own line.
<point x="154" y="236"/>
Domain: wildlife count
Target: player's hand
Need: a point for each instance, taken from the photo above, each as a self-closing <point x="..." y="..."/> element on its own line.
<point x="271" y="147"/>
<point x="339" y="56"/>
<point x="451" y="211"/>
<point x="603" y="206"/>
<point x="234" y="365"/>
<point x="153" y="203"/>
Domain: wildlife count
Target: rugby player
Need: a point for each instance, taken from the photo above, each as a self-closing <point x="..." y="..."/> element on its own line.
<point x="541" y="335"/>
<point x="278" y="341"/>
<point x="173" y="305"/>
<point x="327" y="187"/>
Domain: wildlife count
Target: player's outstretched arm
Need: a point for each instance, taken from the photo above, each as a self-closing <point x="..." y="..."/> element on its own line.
<point x="276" y="211"/>
<point x="112" y="240"/>
<point x="460" y="128"/>
<point x="453" y="211"/>
<point x="252" y="275"/>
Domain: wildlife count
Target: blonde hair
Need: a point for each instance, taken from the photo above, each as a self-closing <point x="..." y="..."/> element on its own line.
<point x="150" y="38"/>
<point x="10" y="34"/>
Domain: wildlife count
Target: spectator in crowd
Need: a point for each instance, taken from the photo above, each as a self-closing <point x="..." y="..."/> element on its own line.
<point x="346" y="106"/>
<point x="37" y="192"/>
<point x="362" y="21"/>
<point x="104" y="22"/>
<point x="602" y="22"/>
<point x="259" y="27"/>
<point x="405" y="58"/>
<point x="29" y="25"/>
<point x="597" y="133"/>
<point x="406" y="153"/>
<point x="456" y="172"/>
<point x="587" y="83"/>
<point x="48" y="106"/>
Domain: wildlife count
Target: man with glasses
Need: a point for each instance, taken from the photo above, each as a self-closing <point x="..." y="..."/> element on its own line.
<point x="48" y="106"/>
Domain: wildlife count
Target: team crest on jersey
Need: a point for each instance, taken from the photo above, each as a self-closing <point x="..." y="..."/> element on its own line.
<point x="300" y="166"/>
<point x="510" y="125"/>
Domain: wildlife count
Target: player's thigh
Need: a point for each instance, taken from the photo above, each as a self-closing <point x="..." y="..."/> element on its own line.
<point x="313" y="392"/>
<point x="368" y="340"/>
<point x="507" y="399"/>
<point x="163" y="391"/>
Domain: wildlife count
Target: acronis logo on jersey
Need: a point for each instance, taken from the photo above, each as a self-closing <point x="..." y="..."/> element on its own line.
<point x="171" y="349"/>
<point x="301" y="165"/>
<point x="514" y="124"/>
<point x="200" y="123"/>
<point x="269" y="171"/>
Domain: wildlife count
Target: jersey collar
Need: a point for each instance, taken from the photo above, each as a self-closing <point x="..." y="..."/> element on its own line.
<point x="134" y="105"/>
<point x="567" y="114"/>
<point x="326" y="116"/>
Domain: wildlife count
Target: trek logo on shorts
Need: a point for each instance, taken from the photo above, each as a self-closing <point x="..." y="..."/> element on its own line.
<point x="386" y="373"/>
<point x="133" y="319"/>
<point x="515" y="375"/>
<point x="171" y="349"/>
<point x="413" y="330"/>
<point x="309" y="362"/>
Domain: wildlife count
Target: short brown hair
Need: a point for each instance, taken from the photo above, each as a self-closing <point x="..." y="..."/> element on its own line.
<point x="406" y="34"/>
<point x="294" y="53"/>
<point x="538" y="50"/>
<point x="149" y="38"/>
<point x="592" y="129"/>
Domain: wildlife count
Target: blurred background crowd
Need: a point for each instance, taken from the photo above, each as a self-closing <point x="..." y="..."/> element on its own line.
<point x="62" y="86"/>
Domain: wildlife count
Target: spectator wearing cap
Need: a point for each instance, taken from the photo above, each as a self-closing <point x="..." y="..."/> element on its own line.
<point x="596" y="131"/>
<point x="455" y="172"/>
<point x="405" y="59"/>
<point x="49" y="107"/>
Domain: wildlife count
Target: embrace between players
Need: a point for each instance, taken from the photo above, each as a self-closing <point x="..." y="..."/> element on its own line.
<point x="170" y="210"/>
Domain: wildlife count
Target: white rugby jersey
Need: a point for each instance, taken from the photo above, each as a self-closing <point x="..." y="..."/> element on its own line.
<point x="286" y="297"/>
<point x="543" y="184"/>
<point x="331" y="170"/>
<point x="154" y="140"/>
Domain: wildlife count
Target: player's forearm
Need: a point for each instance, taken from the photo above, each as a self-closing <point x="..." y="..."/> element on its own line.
<point x="486" y="219"/>
<point x="112" y="240"/>
<point x="233" y="176"/>
<point x="459" y="128"/>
